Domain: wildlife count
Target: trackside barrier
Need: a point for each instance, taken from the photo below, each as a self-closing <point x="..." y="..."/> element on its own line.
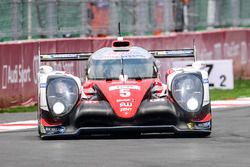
<point x="19" y="65"/>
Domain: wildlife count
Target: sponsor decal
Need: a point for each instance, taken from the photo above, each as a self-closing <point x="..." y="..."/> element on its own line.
<point x="205" y="80"/>
<point x="126" y="110"/>
<point x="156" y="100"/>
<point x="191" y="125"/>
<point x="17" y="74"/>
<point x="203" y="125"/>
<point x="125" y="104"/>
<point x="43" y="85"/>
<point x="112" y="56"/>
<point x="118" y="87"/>
<point x="175" y="52"/>
<point x="119" y="55"/>
<point x="123" y="100"/>
<point x="134" y="56"/>
<point x="126" y="107"/>
<point x="54" y="129"/>
<point x="199" y="125"/>
<point x="65" y="56"/>
<point x="90" y="102"/>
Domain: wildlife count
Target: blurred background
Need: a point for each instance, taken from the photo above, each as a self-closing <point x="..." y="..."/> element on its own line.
<point x="220" y="28"/>
<point x="35" y="19"/>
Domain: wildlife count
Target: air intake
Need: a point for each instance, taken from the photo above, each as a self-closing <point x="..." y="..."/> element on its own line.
<point x="123" y="43"/>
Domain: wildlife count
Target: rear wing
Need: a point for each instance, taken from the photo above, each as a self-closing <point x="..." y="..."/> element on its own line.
<point x="180" y="53"/>
<point x="64" y="57"/>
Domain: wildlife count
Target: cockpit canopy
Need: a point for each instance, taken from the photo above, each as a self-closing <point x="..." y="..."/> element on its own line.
<point x="137" y="63"/>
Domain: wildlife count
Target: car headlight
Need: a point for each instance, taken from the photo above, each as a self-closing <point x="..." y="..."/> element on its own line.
<point x="62" y="95"/>
<point x="187" y="90"/>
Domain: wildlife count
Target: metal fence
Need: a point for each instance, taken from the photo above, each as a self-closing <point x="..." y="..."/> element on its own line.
<point x="26" y="19"/>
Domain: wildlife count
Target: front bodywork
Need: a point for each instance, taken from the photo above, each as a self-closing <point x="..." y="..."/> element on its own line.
<point x="123" y="102"/>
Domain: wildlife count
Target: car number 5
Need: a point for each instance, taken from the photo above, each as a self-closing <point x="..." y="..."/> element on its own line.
<point x="125" y="92"/>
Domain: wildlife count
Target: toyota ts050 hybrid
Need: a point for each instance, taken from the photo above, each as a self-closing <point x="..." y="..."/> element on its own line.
<point x="122" y="93"/>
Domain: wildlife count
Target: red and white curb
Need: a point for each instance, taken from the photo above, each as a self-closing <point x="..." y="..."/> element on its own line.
<point x="240" y="102"/>
<point x="20" y="125"/>
<point x="32" y="124"/>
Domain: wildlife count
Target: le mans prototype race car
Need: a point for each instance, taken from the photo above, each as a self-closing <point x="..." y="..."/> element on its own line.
<point x="123" y="94"/>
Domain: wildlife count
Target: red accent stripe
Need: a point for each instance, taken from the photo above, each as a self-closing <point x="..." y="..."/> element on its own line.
<point x="46" y="123"/>
<point x="207" y="118"/>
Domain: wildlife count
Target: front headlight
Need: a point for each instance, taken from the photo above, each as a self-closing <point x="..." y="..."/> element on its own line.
<point x="62" y="95"/>
<point x="187" y="90"/>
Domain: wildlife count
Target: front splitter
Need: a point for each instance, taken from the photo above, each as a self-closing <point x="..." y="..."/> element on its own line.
<point x="127" y="130"/>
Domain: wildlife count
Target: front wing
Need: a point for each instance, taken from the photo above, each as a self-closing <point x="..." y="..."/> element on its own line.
<point x="126" y="130"/>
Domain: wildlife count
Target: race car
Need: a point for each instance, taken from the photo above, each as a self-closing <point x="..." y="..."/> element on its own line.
<point x="123" y="94"/>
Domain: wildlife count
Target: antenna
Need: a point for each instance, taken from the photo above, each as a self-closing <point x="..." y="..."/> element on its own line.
<point x="194" y="47"/>
<point x="119" y="29"/>
<point x="39" y="49"/>
<point x="119" y="38"/>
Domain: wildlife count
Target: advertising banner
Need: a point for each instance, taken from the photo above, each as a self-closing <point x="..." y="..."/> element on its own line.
<point x="19" y="65"/>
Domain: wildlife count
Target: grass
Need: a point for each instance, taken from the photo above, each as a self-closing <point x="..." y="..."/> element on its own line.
<point x="241" y="89"/>
<point x="19" y="109"/>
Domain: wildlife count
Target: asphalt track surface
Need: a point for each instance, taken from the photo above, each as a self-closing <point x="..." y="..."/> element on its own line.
<point x="228" y="146"/>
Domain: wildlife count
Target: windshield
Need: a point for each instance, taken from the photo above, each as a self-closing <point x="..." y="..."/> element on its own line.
<point x="113" y="68"/>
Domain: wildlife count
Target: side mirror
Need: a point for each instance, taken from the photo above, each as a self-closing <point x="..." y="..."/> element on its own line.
<point x="169" y="71"/>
